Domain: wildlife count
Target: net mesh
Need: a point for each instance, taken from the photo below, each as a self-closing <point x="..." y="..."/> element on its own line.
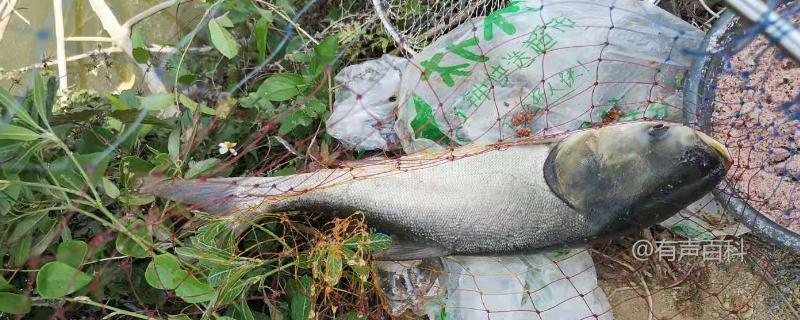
<point x="700" y="264"/>
<point x="418" y="23"/>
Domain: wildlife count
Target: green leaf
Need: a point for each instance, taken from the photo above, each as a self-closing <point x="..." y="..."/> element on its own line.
<point x="72" y="252"/>
<point x="4" y="285"/>
<point x="333" y="268"/>
<point x="57" y="279"/>
<point x="7" y="100"/>
<point x="352" y="315"/>
<point x="134" y="200"/>
<point x="207" y="257"/>
<point x="216" y="234"/>
<point x="93" y="140"/>
<point x="287" y="125"/>
<point x="179" y="317"/>
<point x="94" y="164"/>
<point x="324" y="54"/>
<point x="186" y="78"/>
<point x="242" y="310"/>
<point x="296" y="119"/>
<point x="230" y="283"/>
<point x="379" y="242"/>
<point x="174" y="144"/>
<point x="140" y="52"/>
<point x="128" y="246"/>
<point x="124" y="116"/>
<point x="157" y="101"/>
<point x="40" y="97"/>
<point x="190" y="289"/>
<point x="300" y="307"/>
<point x="50" y="226"/>
<point x="315" y="108"/>
<point x="50" y="99"/>
<point x="224" y="21"/>
<point x="187" y="102"/>
<point x="285" y="171"/>
<point x="223" y="40"/>
<point x="25" y="225"/>
<point x="191" y="105"/>
<point x="159" y="272"/>
<point x="132" y="167"/>
<point x="12" y="132"/>
<point x="5" y="206"/>
<point x="135" y="165"/>
<point x="374" y="242"/>
<point x="23" y="250"/>
<point x="161" y="162"/>
<point x="282" y="86"/>
<point x="14" y="303"/>
<point x="198" y="168"/>
<point x="132" y="116"/>
<point x="110" y="188"/>
<point x="231" y="290"/>
<point x="261" y="28"/>
<point x="10" y="190"/>
<point x="302" y="286"/>
<point x="117" y="103"/>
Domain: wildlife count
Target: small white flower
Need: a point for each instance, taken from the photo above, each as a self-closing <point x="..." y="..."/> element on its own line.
<point x="225" y="147"/>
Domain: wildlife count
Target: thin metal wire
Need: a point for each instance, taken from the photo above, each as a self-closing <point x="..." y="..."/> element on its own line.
<point x="780" y="30"/>
<point x="708" y="9"/>
<point x="376" y="5"/>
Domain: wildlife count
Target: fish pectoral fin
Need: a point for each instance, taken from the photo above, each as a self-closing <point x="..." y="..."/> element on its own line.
<point x="402" y="249"/>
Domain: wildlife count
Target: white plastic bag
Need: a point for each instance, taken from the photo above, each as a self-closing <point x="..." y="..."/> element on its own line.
<point x="364" y="111"/>
<point x="556" y="285"/>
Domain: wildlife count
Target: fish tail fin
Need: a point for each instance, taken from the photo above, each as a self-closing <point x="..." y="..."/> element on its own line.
<point x="221" y="196"/>
<point x="243" y="199"/>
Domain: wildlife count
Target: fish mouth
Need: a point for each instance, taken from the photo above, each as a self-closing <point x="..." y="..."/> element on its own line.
<point x="718" y="147"/>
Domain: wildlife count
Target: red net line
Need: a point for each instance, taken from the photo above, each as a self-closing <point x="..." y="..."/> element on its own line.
<point x="283" y="187"/>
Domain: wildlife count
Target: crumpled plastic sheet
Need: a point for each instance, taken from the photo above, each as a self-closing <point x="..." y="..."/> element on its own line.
<point x="556" y="285"/>
<point x="364" y="109"/>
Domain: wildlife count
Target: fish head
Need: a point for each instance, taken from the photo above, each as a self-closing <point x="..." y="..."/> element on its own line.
<point x="633" y="175"/>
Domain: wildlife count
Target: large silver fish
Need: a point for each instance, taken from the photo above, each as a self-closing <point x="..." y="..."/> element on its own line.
<point x="517" y="197"/>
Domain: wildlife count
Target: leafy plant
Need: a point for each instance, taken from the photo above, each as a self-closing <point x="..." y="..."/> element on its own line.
<point x="75" y="231"/>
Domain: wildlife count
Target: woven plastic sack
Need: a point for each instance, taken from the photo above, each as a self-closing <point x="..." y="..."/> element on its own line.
<point x="535" y="67"/>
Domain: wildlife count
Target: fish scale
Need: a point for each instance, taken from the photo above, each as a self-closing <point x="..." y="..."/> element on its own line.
<point x="517" y="197"/>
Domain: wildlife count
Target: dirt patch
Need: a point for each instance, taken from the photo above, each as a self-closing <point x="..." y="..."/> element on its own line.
<point x="762" y="285"/>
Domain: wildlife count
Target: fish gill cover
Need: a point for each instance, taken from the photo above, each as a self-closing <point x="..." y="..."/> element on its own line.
<point x="175" y="105"/>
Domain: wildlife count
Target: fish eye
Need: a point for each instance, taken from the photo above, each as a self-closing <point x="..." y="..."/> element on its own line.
<point x="658" y="130"/>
